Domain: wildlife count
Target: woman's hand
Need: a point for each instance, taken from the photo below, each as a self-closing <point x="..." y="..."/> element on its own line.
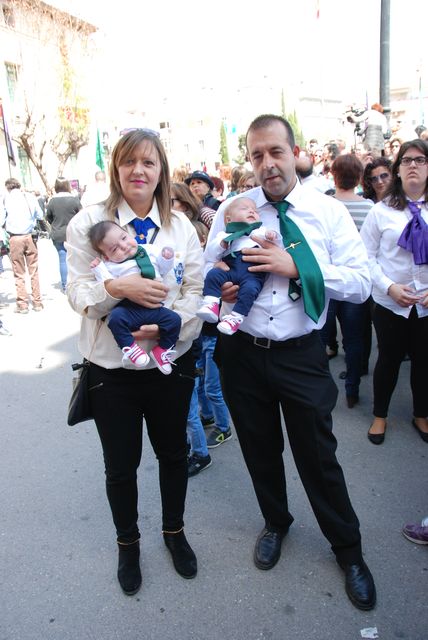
<point x="147" y="332"/>
<point x="403" y="295"/>
<point x="424" y="299"/>
<point x="143" y="291"/>
<point x="270" y="258"/>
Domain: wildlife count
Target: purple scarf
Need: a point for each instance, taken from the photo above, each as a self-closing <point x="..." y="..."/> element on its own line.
<point x="415" y="234"/>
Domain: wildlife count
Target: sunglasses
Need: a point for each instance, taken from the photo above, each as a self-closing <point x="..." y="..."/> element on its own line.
<point x="383" y="176"/>
<point x="149" y="132"/>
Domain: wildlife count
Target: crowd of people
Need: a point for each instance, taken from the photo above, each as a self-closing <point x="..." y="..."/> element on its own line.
<point x="218" y="302"/>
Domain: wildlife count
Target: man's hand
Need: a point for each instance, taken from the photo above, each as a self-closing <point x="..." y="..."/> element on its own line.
<point x="270" y="258"/>
<point x="148" y="293"/>
<point x="403" y="295"/>
<point x="147" y="332"/>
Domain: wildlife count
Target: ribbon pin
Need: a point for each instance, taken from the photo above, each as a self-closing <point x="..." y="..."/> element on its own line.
<point x="292" y="245"/>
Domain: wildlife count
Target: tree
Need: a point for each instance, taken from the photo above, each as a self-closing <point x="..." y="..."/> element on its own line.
<point x="293" y="120"/>
<point x="51" y="114"/>
<point x="242" y="147"/>
<point x="224" y="153"/>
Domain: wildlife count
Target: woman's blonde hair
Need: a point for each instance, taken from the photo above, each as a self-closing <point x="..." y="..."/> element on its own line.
<point x="123" y="150"/>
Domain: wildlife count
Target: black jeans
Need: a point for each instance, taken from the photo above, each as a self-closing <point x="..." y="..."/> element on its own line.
<point x="397" y="336"/>
<point x="258" y="382"/>
<point x="120" y="399"/>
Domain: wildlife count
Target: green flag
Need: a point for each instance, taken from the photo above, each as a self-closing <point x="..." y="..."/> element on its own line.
<point x="99" y="154"/>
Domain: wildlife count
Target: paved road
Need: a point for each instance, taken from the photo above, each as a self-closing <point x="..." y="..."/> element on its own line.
<point x="58" y="555"/>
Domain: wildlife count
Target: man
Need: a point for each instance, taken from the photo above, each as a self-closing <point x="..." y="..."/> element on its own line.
<point x="96" y="192"/>
<point x="277" y="361"/>
<point x="200" y="184"/>
<point x="305" y="171"/>
<point x="20" y="212"/>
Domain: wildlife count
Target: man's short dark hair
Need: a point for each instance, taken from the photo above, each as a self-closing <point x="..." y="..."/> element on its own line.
<point x="263" y="121"/>
<point x="12" y="183"/>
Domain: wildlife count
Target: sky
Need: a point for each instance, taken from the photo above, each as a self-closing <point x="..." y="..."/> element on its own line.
<point x="171" y="47"/>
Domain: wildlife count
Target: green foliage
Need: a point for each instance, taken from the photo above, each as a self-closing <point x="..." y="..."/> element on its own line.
<point x="224" y="153"/>
<point x="298" y="134"/>
<point x="242" y="150"/>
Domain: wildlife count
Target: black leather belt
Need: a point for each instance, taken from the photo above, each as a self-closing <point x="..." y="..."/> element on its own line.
<point x="18" y="234"/>
<point x="266" y="343"/>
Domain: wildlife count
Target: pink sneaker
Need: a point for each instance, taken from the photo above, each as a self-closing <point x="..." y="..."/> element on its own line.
<point x="209" y="312"/>
<point x="230" y="324"/>
<point x="136" y="355"/>
<point x="163" y="359"/>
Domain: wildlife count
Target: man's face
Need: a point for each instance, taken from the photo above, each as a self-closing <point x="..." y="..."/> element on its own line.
<point x="199" y="188"/>
<point x="273" y="159"/>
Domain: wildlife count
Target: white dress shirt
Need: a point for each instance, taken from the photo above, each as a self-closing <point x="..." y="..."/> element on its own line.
<point x="337" y="246"/>
<point x="92" y="301"/>
<point x="389" y="263"/>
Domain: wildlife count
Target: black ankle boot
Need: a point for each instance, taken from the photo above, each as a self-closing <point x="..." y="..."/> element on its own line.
<point x="128" y="572"/>
<point x="182" y="555"/>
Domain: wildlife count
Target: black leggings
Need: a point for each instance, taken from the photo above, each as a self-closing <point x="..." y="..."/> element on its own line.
<point x="396" y="336"/>
<point x="120" y="399"/>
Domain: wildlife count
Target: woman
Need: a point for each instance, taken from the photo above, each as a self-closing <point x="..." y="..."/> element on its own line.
<point x="399" y="267"/>
<point x="121" y="398"/>
<point x="247" y="181"/>
<point x="184" y="200"/>
<point x="347" y="171"/>
<point x="376" y="179"/>
<point x="61" y="208"/>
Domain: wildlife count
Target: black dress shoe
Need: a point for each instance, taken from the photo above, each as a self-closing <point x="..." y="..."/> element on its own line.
<point x="376" y="438"/>
<point x="351" y="401"/>
<point x="128" y="572"/>
<point x="183" y="558"/>
<point x="423" y="435"/>
<point x="359" y="585"/>
<point x="268" y="548"/>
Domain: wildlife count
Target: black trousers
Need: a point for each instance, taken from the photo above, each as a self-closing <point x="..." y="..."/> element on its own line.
<point x="120" y="399"/>
<point x="397" y="336"/>
<point x="296" y="378"/>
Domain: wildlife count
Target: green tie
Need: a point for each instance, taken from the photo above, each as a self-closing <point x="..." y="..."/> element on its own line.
<point x="239" y="229"/>
<point x="310" y="276"/>
<point x="144" y="263"/>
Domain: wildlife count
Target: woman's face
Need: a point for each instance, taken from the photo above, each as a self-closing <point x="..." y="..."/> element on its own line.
<point x="414" y="175"/>
<point x="139" y="174"/>
<point x="380" y="179"/>
<point x="177" y="204"/>
<point x="250" y="183"/>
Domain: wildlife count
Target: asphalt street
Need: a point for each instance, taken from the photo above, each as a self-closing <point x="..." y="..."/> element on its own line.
<point x="58" y="551"/>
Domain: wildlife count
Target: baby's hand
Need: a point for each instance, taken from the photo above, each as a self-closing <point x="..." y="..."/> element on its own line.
<point x="167" y="253"/>
<point x="271" y="235"/>
<point x="95" y="262"/>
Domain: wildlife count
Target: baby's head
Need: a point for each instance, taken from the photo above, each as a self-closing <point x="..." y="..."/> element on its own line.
<point x="241" y="210"/>
<point x="112" y="242"/>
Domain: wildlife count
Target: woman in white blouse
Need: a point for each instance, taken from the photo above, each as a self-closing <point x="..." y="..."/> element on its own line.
<point x="395" y="233"/>
<point x="122" y="396"/>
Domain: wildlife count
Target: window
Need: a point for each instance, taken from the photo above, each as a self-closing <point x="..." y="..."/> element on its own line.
<point x="164" y="125"/>
<point x="8" y="15"/>
<point x="12" y="72"/>
<point x="201" y="145"/>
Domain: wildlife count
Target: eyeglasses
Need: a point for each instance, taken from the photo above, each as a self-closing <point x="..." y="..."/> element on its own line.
<point x="382" y="176"/>
<point x="149" y="132"/>
<point x="406" y="161"/>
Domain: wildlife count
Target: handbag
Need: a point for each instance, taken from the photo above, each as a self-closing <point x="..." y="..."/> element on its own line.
<point x="4" y="243"/>
<point x="79" y="407"/>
